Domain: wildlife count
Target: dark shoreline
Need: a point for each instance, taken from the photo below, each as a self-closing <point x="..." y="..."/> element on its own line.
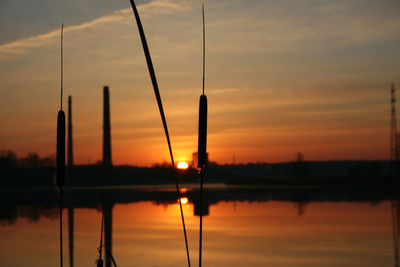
<point x="334" y="173"/>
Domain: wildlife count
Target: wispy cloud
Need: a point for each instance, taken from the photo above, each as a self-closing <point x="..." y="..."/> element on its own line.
<point x="155" y="7"/>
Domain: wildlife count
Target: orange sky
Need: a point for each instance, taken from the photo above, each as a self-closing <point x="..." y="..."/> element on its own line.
<point x="282" y="77"/>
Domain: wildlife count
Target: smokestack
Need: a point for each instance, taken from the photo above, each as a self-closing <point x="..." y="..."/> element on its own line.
<point x="70" y="155"/>
<point x="106" y="129"/>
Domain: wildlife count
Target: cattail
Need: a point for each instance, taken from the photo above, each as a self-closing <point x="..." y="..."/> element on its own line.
<point x="60" y="148"/>
<point x="202" y="144"/>
<point x="61" y="127"/>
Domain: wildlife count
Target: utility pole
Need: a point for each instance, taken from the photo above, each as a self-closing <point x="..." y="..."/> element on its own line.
<point x="394" y="160"/>
<point x="394" y="151"/>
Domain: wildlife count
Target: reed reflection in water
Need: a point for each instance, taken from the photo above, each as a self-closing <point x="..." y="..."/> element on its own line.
<point x="264" y="233"/>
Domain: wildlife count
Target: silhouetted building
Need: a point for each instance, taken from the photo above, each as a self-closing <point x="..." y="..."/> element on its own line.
<point x="106" y="129"/>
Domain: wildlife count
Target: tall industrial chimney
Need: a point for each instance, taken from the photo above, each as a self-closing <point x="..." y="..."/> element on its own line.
<point x="106" y="129"/>
<point x="70" y="155"/>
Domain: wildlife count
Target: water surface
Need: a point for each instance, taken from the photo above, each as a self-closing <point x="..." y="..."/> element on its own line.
<point x="236" y="233"/>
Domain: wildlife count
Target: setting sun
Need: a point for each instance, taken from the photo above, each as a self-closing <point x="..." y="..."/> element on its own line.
<point x="184" y="200"/>
<point x="182" y="165"/>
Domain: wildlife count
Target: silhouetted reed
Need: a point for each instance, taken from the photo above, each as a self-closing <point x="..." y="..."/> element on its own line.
<point x="61" y="149"/>
<point x="160" y="107"/>
<point x="202" y="143"/>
